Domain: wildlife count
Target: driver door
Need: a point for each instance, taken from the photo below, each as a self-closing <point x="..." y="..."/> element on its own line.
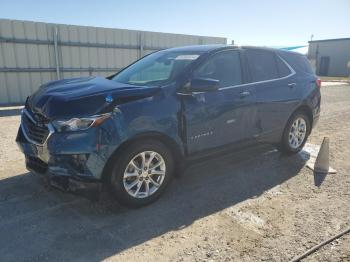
<point x="217" y="118"/>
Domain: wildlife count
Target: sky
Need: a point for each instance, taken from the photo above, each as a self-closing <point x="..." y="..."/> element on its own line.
<point x="249" y="22"/>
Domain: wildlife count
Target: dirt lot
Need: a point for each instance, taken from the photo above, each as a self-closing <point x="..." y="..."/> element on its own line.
<point x="243" y="207"/>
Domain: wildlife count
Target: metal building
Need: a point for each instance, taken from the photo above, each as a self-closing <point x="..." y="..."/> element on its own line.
<point x="331" y="57"/>
<point x="32" y="53"/>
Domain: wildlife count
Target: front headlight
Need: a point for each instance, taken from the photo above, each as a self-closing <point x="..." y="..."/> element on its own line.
<point x="76" y="124"/>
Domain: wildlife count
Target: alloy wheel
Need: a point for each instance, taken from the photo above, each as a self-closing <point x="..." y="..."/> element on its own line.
<point x="144" y="174"/>
<point x="297" y="133"/>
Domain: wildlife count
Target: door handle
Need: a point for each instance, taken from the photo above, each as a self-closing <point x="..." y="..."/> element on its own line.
<point x="291" y="85"/>
<point x="244" y="94"/>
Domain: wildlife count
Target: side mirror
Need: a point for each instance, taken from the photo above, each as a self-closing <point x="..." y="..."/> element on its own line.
<point x="203" y="85"/>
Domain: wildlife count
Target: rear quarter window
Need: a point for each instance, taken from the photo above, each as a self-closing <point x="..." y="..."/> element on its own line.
<point x="283" y="69"/>
<point x="299" y="62"/>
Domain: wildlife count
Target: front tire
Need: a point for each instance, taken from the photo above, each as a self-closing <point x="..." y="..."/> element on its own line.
<point x="141" y="173"/>
<point x="295" y="133"/>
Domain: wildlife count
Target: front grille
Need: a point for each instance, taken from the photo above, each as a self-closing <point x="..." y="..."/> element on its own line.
<point x="34" y="131"/>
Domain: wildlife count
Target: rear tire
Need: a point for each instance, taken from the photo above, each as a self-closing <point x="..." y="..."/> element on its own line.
<point x="141" y="173"/>
<point x="295" y="133"/>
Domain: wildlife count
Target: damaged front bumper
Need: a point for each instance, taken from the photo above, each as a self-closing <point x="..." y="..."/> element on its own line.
<point x="68" y="159"/>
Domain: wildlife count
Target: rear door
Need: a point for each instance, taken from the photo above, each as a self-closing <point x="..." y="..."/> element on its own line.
<point x="222" y="117"/>
<point x="276" y="92"/>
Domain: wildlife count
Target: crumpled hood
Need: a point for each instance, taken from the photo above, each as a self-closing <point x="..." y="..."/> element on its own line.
<point x="77" y="97"/>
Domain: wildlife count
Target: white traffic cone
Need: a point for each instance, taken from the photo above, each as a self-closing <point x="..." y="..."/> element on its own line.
<point x="322" y="160"/>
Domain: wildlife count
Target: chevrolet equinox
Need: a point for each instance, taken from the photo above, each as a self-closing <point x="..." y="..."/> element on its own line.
<point x="134" y="129"/>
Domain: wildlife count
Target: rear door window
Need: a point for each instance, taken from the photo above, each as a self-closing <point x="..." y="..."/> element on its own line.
<point x="262" y="65"/>
<point x="224" y="66"/>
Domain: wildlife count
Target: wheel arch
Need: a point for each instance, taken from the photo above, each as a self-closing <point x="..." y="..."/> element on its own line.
<point x="306" y="110"/>
<point x="303" y="109"/>
<point x="174" y="147"/>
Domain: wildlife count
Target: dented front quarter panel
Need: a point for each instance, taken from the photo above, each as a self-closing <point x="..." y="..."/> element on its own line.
<point x="84" y="154"/>
<point x="155" y="115"/>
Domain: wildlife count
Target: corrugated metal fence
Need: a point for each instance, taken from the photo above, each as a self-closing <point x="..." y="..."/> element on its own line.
<point x="33" y="53"/>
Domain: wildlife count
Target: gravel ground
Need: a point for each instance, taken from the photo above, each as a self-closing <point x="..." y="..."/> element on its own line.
<point x="256" y="206"/>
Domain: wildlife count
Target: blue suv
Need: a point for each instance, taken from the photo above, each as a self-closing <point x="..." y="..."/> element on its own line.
<point x="135" y="129"/>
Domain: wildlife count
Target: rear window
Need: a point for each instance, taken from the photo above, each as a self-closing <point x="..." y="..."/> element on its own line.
<point x="299" y="62"/>
<point x="262" y="65"/>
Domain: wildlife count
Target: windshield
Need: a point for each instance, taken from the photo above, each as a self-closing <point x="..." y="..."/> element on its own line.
<point x="157" y="68"/>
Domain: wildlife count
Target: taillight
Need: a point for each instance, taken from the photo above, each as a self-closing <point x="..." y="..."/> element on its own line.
<point x="318" y="82"/>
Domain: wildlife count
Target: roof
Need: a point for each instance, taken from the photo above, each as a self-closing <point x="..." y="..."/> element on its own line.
<point x="209" y="48"/>
<point x="330" y="40"/>
<point x="271" y="49"/>
<point x="194" y="48"/>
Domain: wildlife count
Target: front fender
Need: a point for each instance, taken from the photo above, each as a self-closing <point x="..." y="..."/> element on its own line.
<point x="153" y="117"/>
